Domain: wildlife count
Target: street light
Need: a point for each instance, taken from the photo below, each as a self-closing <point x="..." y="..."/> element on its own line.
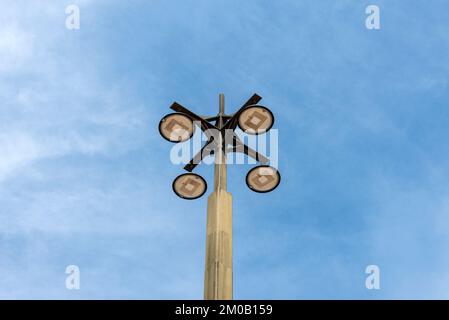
<point x="263" y="179"/>
<point x="256" y="120"/>
<point x="176" y="127"/>
<point x="179" y="127"/>
<point x="189" y="186"/>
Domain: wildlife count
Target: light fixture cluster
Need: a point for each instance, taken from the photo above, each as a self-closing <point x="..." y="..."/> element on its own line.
<point x="251" y="118"/>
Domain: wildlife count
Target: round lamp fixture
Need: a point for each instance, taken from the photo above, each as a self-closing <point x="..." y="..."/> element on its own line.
<point x="256" y="119"/>
<point x="263" y="179"/>
<point x="176" y="127"/>
<point x="189" y="186"/>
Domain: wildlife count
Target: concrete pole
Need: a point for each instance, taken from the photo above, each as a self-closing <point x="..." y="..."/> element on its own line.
<point x="218" y="274"/>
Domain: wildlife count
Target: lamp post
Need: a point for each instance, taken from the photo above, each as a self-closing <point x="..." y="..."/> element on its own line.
<point x="179" y="127"/>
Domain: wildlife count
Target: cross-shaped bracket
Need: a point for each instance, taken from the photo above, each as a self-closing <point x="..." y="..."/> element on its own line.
<point x="225" y="126"/>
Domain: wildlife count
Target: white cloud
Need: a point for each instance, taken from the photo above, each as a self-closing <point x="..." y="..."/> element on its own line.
<point x="17" y="150"/>
<point x="53" y="101"/>
<point x="60" y="119"/>
<point x="16" y="47"/>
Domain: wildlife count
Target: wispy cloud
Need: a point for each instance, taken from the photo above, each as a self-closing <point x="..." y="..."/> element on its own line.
<point x="85" y="179"/>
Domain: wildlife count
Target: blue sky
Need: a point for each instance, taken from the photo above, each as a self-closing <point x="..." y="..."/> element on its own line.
<point x="85" y="178"/>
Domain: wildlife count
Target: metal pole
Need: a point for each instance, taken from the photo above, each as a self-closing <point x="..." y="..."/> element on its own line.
<point x="218" y="274"/>
<point x="220" y="173"/>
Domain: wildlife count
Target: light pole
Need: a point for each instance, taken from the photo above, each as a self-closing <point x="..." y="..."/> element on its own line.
<point x="179" y="127"/>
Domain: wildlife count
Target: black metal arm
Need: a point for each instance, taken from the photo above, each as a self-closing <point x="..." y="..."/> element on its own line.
<point x="230" y="123"/>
